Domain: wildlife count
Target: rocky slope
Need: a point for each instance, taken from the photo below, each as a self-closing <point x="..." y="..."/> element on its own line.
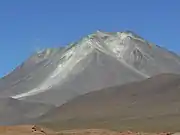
<point x="97" y="61"/>
<point x="149" y="105"/>
<point x="13" y="111"/>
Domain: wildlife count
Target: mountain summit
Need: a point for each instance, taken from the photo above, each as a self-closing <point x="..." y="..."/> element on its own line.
<point x="97" y="61"/>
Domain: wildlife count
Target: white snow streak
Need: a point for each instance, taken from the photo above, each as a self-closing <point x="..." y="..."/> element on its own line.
<point x="75" y="55"/>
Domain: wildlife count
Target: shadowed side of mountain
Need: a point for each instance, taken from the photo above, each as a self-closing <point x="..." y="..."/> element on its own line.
<point x="149" y="105"/>
<point x="13" y="111"/>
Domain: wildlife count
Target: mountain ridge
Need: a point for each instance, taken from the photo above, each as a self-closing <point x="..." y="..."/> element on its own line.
<point x="56" y="69"/>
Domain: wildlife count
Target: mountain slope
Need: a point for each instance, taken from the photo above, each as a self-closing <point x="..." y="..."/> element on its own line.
<point x="13" y="111"/>
<point x="149" y="105"/>
<point x="95" y="62"/>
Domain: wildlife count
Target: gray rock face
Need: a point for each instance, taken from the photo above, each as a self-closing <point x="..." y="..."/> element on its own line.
<point x="97" y="61"/>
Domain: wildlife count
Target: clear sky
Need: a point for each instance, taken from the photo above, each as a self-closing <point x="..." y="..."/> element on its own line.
<point x="26" y="25"/>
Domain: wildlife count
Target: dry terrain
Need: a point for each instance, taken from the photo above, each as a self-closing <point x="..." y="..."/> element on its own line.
<point x="152" y="105"/>
<point x="34" y="130"/>
<point x="24" y="130"/>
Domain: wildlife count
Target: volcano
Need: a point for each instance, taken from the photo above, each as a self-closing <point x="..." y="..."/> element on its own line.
<point x="97" y="61"/>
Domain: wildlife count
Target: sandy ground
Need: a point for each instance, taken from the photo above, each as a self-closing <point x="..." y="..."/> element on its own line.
<point x="34" y="130"/>
<point x="24" y="130"/>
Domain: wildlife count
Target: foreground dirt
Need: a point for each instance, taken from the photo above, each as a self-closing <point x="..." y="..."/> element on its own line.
<point x="35" y="130"/>
<point x="106" y="132"/>
<point x="25" y="130"/>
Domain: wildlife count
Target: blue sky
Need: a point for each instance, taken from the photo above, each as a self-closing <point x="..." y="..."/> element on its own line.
<point x="26" y="25"/>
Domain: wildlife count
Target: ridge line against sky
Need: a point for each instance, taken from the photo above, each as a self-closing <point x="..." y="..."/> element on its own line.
<point x="28" y="25"/>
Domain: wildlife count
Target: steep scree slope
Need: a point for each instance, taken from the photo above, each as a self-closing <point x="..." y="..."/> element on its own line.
<point x="95" y="62"/>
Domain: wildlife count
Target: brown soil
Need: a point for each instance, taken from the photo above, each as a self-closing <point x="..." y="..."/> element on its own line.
<point x="34" y="130"/>
<point x="24" y="130"/>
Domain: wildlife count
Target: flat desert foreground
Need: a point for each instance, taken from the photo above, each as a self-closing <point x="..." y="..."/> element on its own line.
<point x="35" y="130"/>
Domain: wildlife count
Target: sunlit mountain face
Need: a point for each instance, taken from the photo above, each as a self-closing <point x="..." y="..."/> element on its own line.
<point x="97" y="61"/>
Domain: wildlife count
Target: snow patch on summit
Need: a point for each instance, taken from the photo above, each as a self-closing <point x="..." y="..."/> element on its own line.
<point x="116" y="44"/>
